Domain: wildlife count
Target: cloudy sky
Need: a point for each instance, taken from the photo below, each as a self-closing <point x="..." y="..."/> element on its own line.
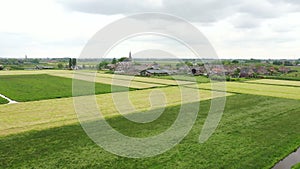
<point x="236" y="28"/>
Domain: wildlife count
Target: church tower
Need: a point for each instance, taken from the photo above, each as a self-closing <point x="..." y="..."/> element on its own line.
<point x="130" y="58"/>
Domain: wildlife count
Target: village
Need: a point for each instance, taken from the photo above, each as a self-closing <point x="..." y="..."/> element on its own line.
<point x="237" y="68"/>
<point x="234" y="69"/>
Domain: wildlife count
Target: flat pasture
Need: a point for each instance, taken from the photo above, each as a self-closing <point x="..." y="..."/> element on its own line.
<point x="260" y="130"/>
<point x="38" y="115"/>
<point x="289" y="92"/>
<point x="275" y="82"/>
<point x="42" y="86"/>
<point x="167" y="81"/>
<point x="115" y="81"/>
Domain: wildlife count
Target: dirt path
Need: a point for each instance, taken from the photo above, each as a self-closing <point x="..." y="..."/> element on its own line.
<point x="8" y="99"/>
<point x="289" y="161"/>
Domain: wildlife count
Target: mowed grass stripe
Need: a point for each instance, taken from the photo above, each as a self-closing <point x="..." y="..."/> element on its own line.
<point x="145" y="79"/>
<point x="39" y="87"/>
<point x="257" y="89"/>
<point x="259" y="137"/>
<point x="119" y="82"/>
<point x="33" y="72"/>
<point x="137" y="82"/>
<point x="44" y="114"/>
<point x="275" y="82"/>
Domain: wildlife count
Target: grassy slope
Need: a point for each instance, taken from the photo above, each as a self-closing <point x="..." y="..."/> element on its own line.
<point x="42" y="86"/>
<point x="255" y="132"/>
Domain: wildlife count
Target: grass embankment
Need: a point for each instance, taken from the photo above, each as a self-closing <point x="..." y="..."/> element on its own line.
<point x="255" y="132"/>
<point x="39" y="87"/>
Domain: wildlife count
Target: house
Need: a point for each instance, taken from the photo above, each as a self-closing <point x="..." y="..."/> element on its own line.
<point x="218" y="70"/>
<point x="198" y="70"/>
<point x="247" y="72"/>
<point x="261" y="70"/>
<point x="111" y="66"/>
<point x="39" y="67"/>
<point x="154" y="72"/>
<point x="283" y="69"/>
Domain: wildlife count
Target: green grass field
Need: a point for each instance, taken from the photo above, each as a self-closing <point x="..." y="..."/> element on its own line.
<point x="3" y="101"/>
<point x="44" y="114"/>
<point x="120" y="80"/>
<point x="274" y="90"/>
<point x="254" y="133"/>
<point x="275" y="82"/>
<point x="43" y="86"/>
<point x="198" y="79"/>
<point x="260" y="125"/>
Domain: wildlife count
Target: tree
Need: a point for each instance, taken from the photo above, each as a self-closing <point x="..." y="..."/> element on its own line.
<point x="35" y="61"/>
<point x="70" y="63"/>
<point x="114" y="61"/>
<point x="237" y="72"/>
<point x="235" y="61"/>
<point x="277" y="62"/>
<point x="190" y="64"/>
<point x="200" y="64"/>
<point x="122" y="59"/>
<point x="288" y="63"/>
<point x="74" y="62"/>
<point x="1" y="67"/>
<point x="102" y="65"/>
<point x="60" y="66"/>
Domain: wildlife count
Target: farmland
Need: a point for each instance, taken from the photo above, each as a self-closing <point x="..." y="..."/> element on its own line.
<point x="274" y="90"/>
<point x="58" y="112"/>
<point x="276" y="82"/>
<point x="257" y="136"/>
<point x="260" y="124"/>
<point x="198" y="79"/>
<point x="42" y="86"/>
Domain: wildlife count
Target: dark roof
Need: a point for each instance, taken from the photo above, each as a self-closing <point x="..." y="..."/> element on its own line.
<point x="157" y="71"/>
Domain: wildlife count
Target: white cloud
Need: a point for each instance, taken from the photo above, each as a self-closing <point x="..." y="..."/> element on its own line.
<point x="236" y="28"/>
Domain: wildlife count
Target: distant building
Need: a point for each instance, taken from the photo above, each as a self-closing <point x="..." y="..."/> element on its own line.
<point x="154" y="72"/>
<point x="39" y="67"/>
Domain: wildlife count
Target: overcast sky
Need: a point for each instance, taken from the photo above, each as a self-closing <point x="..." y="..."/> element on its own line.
<point x="267" y="29"/>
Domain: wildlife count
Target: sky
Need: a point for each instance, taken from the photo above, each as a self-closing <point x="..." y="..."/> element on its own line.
<point x="237" y="29"/>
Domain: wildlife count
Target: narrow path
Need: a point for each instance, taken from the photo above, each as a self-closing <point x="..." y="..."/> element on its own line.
<point x="8" y="99"/>
<point x="289" y="161"/>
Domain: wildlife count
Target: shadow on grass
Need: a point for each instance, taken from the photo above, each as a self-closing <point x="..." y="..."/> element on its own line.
<point x="255" y="132"/>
